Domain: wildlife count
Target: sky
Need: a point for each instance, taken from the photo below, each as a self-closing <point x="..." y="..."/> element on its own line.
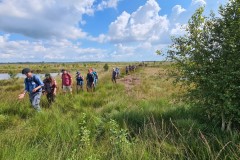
<point x="93" y="30"/>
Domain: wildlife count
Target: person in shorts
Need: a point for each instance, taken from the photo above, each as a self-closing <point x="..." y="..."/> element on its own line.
<point x="66" y="82"/>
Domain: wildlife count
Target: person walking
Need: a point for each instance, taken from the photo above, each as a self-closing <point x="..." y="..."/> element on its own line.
<point x="50" y="88"/>
<point x="95" y="75"/>
<point x="117" y="70"/>
<point x="127" y="69"/>
<point x="66" y="82"/>
<point x="33" y="86"/>
<point x="90" y="81"/>
<point x="114" y="75"/>
<point x="79" y="80"/>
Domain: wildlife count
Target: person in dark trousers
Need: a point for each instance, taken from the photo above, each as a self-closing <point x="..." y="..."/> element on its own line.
<point x="79" y="80"/>
<point x="50" y="88"/>
<point x="127" y="69"/>
<point x="90" y="81"/>
<point x="114" y="75"/>
<point x="33" y="86"/>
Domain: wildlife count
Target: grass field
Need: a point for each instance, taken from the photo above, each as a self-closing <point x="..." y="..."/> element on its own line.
<point x="140" y="117"/>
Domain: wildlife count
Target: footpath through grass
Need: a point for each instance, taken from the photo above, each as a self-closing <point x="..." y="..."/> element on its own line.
<point x="138" y="120"/>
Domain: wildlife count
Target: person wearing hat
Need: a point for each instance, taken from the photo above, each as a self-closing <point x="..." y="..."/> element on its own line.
<point x="33" y="86"/>
<point x="79" y="80"/>
<point x="66" y="82"/>
<point x="50" y="88"/>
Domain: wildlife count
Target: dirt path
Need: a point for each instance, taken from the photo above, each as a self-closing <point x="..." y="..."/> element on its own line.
<point x="129" y="82"/>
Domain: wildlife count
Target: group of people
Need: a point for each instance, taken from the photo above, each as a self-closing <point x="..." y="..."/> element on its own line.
<point x="130" y="68"/>
<point x="36" y="87"/>
<point x="116" y="72"/>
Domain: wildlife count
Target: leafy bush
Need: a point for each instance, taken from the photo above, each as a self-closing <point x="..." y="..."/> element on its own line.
<point x="105" y="67"/>
<point x="207" y="61"/>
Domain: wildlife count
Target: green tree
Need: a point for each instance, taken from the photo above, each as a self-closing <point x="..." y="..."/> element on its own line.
<point x="207" y="61"/>
<point x="105" y="67"/>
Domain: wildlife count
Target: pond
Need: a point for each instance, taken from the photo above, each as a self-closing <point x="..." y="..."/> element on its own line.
<point x="5" y="76"/>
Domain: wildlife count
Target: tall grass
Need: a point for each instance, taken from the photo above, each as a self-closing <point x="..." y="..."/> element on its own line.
<point x="112" y="123"/>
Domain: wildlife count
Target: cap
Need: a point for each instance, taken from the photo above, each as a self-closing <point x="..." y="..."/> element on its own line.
<point x="26" y="70"/>
<point x="77" y="72"/>
<point x="63" y="70"/>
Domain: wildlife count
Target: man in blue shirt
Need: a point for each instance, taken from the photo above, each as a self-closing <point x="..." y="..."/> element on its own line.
<point x="33" y="85"/>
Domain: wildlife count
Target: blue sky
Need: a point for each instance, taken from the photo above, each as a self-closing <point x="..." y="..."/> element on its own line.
<point x="92" y="30"/>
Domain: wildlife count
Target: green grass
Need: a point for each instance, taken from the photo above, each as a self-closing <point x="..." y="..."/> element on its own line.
<point x="111" y="123"/>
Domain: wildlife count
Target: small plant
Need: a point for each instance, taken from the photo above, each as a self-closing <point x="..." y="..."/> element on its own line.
<point x="105" y="67"/>
<point x="73" y="155"/>
<point x="118" y="136"/>
<point x="84" y="131"/>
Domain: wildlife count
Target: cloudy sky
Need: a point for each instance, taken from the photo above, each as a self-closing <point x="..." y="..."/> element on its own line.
<point x="92" y="30"/>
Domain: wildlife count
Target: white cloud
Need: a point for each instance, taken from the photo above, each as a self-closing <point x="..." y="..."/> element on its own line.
<point x="108" y="4"/>
<point x="143" y="24"/>
<point x="119" y="27"/>
<point x="142" y="51"/>
<point x="178" y="9"/>
<point x="131" y="36"/>
<point x="50" y="50"/>
<point x="44" y="18"/>
<point x="178" y="30"/>
<point x="199" y="2"/>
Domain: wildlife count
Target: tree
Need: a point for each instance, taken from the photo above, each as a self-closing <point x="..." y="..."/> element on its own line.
<point x="105" y="67"/>
<point x="159" y="52"/>
<point x="207" y="61"/>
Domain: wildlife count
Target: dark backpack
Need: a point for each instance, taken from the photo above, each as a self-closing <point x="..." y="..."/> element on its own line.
<point x="90" y="77"/>
<point x="47" y="86"/>
<point x="33" y="79"/>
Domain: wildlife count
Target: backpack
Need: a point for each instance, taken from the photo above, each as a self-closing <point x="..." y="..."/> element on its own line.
<point x="48" y="86"/>
<point x="95" y="75"/>
<point x="33" y="79"/>
<point x="90" y="77"/>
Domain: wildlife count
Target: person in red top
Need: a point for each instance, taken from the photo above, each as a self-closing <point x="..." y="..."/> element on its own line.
<point x="66" y="82"/>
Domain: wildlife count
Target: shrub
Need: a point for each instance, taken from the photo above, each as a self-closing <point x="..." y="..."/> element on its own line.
<point x="105" y="67"/>
<point x="207" y="61"/>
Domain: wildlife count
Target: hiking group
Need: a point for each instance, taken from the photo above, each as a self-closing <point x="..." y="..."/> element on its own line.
<point x="35" y="87"/>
